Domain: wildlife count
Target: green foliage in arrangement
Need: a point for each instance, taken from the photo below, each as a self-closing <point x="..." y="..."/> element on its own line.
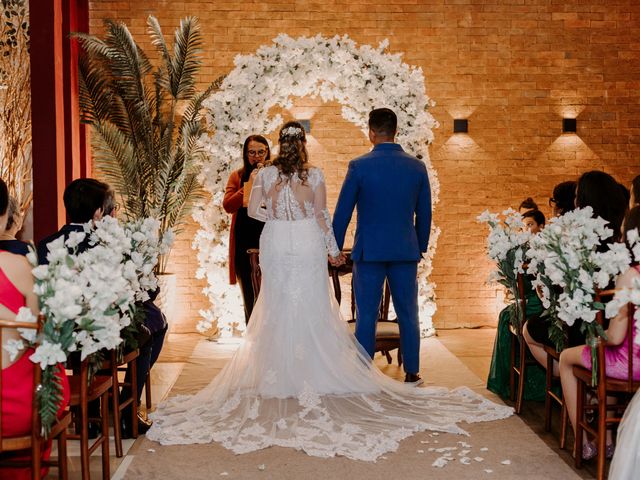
<point x="146" y="119"/>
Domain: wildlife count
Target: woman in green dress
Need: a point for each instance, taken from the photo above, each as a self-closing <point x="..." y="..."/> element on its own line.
<point x="499" y="373"/>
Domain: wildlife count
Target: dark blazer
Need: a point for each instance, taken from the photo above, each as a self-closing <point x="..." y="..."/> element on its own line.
<point x="15" y="246"/>
<point x="391" y="192"/>
<point x="64" y="231"/>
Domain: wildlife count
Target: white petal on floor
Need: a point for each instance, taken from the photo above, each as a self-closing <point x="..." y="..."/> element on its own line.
<point x="440" y="462"/>
<point x="478" y="459"/>
<point x="262" y="467"/>
<point x="465" y="460"/>
<point x="484" y="449"/>
<point x="506" y="462"/>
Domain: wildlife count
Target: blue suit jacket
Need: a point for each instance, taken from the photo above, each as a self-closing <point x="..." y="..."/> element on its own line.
<point x="391" y="191"/>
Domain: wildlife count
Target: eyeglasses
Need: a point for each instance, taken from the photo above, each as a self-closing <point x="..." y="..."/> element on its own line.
<point x="258" y="153"/>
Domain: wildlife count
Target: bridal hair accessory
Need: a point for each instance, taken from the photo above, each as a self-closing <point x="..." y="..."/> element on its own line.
<point x="292" y="132"/>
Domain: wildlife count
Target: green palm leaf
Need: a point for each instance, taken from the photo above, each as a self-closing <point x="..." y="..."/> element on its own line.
<point x="147" y="151"/>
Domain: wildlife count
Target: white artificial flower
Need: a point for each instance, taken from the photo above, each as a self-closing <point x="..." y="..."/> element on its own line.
<point x="32" y="257"/>
<point x="13" y="347"/>
<point x="48" y="354"/>
<point x="75" y="239"/>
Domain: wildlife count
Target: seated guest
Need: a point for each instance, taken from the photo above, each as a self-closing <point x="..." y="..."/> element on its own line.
<point x="8" y="241"/>
<point x="534" y="221"/>
<point x="84" y="200"/>
<point x="605" y="196"/>
<point x="616" y="353"/>
<point x="499" y="373"/>
<point x="564" y="198"/>
<point x="527" y="204"/>
<point x="16" y="290"/>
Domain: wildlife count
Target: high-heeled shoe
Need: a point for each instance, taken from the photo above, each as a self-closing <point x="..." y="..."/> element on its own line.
<point x="589" y="450"/>
<point x="610" y="451"/>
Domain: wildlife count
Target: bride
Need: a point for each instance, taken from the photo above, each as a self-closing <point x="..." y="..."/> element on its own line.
<point x="300" y="379"/>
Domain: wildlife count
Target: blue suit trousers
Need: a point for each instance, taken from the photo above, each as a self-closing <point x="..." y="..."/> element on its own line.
<point x="368" y="282"/>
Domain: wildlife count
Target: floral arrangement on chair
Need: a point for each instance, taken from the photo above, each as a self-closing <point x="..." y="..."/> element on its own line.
<point x="506" y="245"/>
<point x="89" y="297"/>
<point x="565" y="255"/>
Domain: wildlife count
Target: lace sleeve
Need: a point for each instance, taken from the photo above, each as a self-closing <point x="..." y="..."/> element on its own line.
<point x="256" y="208"/>
<point x="322" y="216"/>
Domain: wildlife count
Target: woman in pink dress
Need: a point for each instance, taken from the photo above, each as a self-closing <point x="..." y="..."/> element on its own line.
<point x="616" y="350"/>
<point x="16" y="291"/>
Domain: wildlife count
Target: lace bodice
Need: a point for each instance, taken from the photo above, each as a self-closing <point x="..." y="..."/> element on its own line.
<point x="277" y="197"/>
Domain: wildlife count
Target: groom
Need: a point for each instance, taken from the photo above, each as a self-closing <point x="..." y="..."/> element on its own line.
<point x="391" y="191"/>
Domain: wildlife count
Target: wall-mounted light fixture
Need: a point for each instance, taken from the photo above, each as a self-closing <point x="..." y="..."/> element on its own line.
<point x="460" y="125"/>
<point x="569" y="125"/>
<point x="306" y="124"/>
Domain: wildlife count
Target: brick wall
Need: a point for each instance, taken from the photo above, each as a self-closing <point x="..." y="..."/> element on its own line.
<point x="514" y="68"/>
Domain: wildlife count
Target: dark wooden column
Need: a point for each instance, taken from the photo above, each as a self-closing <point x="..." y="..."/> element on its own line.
<point x="82" y="17"/>
<point x="59" y="146"/>
<point x="47" y="116"/>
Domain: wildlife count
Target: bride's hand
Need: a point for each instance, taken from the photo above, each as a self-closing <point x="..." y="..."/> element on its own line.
<point x="337" y="261"/>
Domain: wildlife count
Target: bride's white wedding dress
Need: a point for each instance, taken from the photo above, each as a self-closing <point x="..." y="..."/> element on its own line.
<point x="300" y="379"/>
<point x="626" y="460"/>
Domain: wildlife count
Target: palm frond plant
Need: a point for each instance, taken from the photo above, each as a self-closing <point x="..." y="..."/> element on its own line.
<point x="146" y="119"/>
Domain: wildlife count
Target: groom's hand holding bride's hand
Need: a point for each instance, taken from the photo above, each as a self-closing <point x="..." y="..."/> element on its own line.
<point x="337" y="261"/>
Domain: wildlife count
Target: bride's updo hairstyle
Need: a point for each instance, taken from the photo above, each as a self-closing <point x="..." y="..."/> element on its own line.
<point x="292" y="156"/>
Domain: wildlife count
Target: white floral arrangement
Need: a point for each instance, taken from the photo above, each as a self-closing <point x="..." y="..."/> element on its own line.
<point x="87" y="297"/>
<point x="565" y="254"/>
<point x="147" y="245"/>
<point x="335" y="69"/>
<point x="631" y="294"/>
<point x="506" y="244"/>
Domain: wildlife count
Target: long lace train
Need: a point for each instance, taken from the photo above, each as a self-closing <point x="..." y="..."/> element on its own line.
<point x="301" y="380"/>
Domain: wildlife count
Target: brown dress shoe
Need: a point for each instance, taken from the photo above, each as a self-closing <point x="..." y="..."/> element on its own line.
<point x="413" y="378"/>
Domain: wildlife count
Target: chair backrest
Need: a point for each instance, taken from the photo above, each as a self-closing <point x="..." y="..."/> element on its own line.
<point x="347" y="269"/>
<point x="631" y="309"/>
<point x="37" y="376"/>
<point x="522" y="302"/>
<point x="256" y="274"/>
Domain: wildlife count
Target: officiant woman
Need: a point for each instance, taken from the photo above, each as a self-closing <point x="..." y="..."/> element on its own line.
<point x="245" y="231"/>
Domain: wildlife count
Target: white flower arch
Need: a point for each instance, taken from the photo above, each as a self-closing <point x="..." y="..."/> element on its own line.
<point x="336" y="69"/>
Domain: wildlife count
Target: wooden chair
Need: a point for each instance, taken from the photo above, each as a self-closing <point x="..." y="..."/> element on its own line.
<point x="519" y="359"/>
<point x="114" y="365"/>
<point x="33" y="441"/>
<point x="256" y="273"/>
<point x="83" y="392"/>
<point x="551" y="397"/>
<point x="387" y="332"/>
<point x="622" y="390"/>
<point x="147" y="393"/>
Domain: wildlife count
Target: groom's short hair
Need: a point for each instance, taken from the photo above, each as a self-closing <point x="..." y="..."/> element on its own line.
<point x="383" y="122"/>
